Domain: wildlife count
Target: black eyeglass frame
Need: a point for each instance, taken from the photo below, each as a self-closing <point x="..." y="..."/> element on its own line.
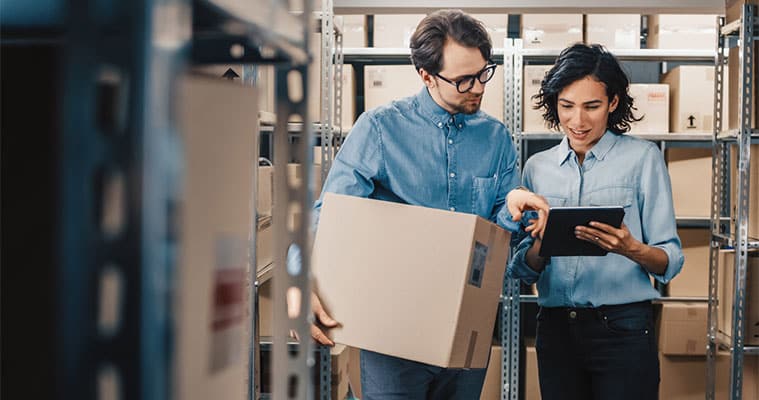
<point x="491" y="66"/>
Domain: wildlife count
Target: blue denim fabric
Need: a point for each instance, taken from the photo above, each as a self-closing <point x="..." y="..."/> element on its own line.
<point x="390" y="378"/>
<point x="618" y="170"/>
<point x="598" y="354"/>
<point x="413" y="151"/>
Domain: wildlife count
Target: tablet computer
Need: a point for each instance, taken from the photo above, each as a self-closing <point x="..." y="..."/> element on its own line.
<point x="559" y="235"/>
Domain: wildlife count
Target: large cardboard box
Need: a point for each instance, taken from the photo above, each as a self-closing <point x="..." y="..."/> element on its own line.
<point x="497" y="26"/>
<point x="693" y="279"/>
<point x="691" y="97"/>
<point x="676" y="31"/>
<point x="532" y="120"/>
<point x="726" y="295"/>
<point x="265" y="193"/>
<point x="753" y="201"/>
<point x="614" y="31"/>
<point x="652" y="102"/>
<point x="690" y="171"/>
<point x="531" y="378"/>
<point x="212" y="305"/>
<point x="314" y="98"/>
<point x="385" y="83"/>
<point x="354" y="371"/>
<point x="682" y="329"/>
<point x="448" y="265"/>
<point x="684" y="377"/>
<point x="394" y="31"/>
<point x="733" y="8"/>
<point x="551" y="31"/>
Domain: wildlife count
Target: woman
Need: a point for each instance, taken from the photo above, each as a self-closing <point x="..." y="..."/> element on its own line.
<point x="595" y="337"/>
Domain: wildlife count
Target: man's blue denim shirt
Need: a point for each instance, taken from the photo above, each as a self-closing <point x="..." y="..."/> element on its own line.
<point x="413" y="151"/>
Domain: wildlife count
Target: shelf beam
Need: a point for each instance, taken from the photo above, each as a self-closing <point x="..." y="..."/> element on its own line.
<point x="531" y="6"/>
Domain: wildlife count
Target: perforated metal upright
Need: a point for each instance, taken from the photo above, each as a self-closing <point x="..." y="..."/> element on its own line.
<point x="512" y="61"/>
<point x="723" y="235"/>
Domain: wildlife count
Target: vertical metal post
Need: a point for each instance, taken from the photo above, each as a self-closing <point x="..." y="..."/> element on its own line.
<point x="134" y="143"/>
<point x="741" y="227"/>
<point x="327" y="79"/>
<point x="718" y="190"/>
<point x="291" y="377"/>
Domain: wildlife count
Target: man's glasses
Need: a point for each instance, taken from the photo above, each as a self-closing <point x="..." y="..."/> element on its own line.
<point x="466" y="83"/>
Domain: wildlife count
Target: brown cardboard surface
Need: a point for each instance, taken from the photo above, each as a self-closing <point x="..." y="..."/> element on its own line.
<point x="684" y="377"/>
<point x="733" y="88"/>
<point x="693" y="279"/>
<point x="677" y="31"/>
<point x="394" y="31"/>
<point x="726" y="295"/>
<point x="265" y="192"/>
<point x="551" y="31"/>
<point x="690" y="171"/>
<point x="218" y="132"/>
<point x="532" y="120"/>
<point x="652" y="102"/>
<point x="354" y="371"/>
<point x="753" y="202"/>
<point x="614" y="31"/>
<point x="385" y="83"/>
<point x="422" y="256"/>
<point x="491" y="389"/>
<point x="682" y="329"/>
<point x="691" y="97"/>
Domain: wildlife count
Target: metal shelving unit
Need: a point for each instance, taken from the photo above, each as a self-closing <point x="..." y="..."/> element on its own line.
<point x="722" y="233"/>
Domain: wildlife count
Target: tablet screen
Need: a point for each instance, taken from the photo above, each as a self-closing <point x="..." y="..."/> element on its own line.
<point x="559" y="236"/>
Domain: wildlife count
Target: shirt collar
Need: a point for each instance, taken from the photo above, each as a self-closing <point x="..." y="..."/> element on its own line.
<point x="599" y="150"/>
<point x="437" y="114"/>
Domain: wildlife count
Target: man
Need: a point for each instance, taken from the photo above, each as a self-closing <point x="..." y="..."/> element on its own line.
<point x="435" y="149"/>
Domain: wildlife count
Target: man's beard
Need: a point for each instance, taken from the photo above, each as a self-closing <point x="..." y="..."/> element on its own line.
<point x="467" y="107"/>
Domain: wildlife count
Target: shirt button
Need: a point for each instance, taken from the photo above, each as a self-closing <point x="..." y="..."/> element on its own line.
<point x="461" y="126"/>
<point x="439" y="124"/>
<point x="450" y="141"/>
<point x="453" y="174"/>
<point x="573" y="314"/>
<point x="453" y="209"/>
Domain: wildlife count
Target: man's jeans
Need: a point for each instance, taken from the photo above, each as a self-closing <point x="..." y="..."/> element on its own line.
<point x="385" y="377"/>
<point x="601" y="353"/>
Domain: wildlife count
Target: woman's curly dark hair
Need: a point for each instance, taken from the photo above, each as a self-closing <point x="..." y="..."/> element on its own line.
<point x="577" y="62"/>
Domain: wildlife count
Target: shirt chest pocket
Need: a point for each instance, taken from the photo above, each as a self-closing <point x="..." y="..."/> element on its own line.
<point x="611" y="196"/>
<point x="483" y="195"/>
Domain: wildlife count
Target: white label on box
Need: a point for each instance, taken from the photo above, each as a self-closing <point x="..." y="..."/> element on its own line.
<point x="228" y="302"/>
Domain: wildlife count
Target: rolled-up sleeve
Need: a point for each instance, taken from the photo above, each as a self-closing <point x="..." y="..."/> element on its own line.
<point x="659" y="226"/>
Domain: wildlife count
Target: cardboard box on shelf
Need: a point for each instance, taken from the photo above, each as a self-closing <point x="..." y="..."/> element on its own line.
<point x="532" y="383"/>
<point x="682" y="329"/>
<point x="753" y="201"/>
<point x="532" y="120"/>
<point x="264" y="242"/>
<point x="676" y="31"/>
<point x="691" y="97"/>
<point x="726" y="296"/>
<point x="491" y="389"/>
<point x="394" y="31"/>
<point x="354" y="371"/>
<point x="431" y="258"/>
<point x="354" y="30"/>
<point x="497" y="26"/>
<point x="690" y="171"/>
<point x="614" y="31"/>
<point x="551" y="31"/>
<point x="315" y="86"/>
<point x="733" y="8"/>
<point x="385" y="83"/>
<point x="693" y="279"/>
<point x="265" y="187"/>
<point x="211" y="304"/>
<point x="684" y="377"/>
<point x="492" y="99"/>
<point x="652" y="103"/>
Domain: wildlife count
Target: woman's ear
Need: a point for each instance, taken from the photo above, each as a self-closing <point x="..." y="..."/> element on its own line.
<point x="613" y="104"/>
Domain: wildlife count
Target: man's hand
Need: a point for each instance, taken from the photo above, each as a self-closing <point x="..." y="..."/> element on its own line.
<point x="323" y="319"/>
<point x="521" y="200"/>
